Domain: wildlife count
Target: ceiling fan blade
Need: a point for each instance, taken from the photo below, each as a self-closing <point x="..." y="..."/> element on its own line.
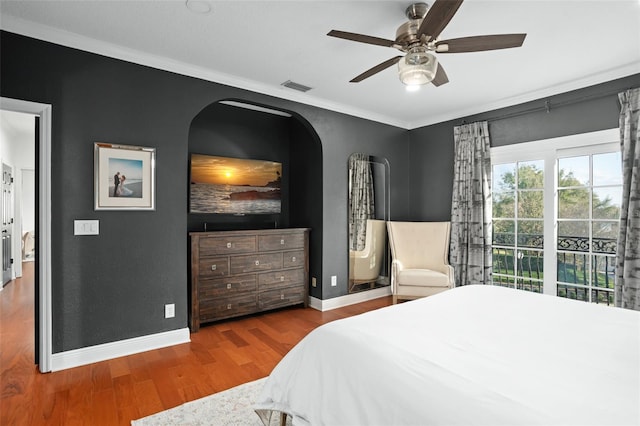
<point x="361" y="38"/>
<point x="386" y="64"/>
<point x="438" y="17"/>
<point x="480" y="43"/>
<point x="441" y="77"/>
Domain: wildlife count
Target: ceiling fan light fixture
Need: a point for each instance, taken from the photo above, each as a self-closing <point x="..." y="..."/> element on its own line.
<point x="417" y="68"/>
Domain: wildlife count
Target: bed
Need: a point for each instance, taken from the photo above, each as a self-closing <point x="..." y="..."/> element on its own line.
<point x="473" y="355"/>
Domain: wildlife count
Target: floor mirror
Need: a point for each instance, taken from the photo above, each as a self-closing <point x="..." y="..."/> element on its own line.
<point x="368" y="210"/>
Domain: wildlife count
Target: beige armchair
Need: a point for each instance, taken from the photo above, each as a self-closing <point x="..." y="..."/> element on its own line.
<point x="420" y="252"/>
<point x="364" y="265"/>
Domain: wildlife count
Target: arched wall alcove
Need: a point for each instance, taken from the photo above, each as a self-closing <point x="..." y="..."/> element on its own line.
<point x="239" y="129"/>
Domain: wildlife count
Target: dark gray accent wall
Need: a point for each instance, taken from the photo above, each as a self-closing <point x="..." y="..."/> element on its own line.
<point x="305" y="164"/>
<point x="431" y="148"/>
<point x="113" y="286"/>
<point x="349" y="135"/>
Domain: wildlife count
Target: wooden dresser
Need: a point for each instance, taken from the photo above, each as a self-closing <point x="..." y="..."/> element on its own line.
<point x="236" y="273"/>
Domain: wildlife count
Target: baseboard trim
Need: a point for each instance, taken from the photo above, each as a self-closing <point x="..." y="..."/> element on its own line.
<point x="349" y="299"/>
<point x="103" y="352"/>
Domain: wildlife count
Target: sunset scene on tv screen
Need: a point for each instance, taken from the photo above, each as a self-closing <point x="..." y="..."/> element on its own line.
<point x="233" y="171"/>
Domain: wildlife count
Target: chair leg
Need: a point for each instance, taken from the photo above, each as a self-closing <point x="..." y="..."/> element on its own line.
<point x="394" y="299"/>
<point x="283" y="419"/>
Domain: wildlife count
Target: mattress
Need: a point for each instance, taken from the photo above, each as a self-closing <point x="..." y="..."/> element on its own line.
<point x="473" y="355"/>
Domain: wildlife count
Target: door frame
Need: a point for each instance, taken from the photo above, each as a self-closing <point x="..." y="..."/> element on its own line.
<point x="43" y="251"/>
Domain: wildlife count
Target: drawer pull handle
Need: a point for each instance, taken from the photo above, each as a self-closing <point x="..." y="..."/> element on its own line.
<point x="293" y="259"/>
<point x="282" y="242"/>
<point x="228" y="245"/>
<point x="281" y="296"/>
<point x="229" y="286"/>
<point x="257" y="263"/>
<point x="282" y="278"/>
<point x="229" y="306"/>
<point x="213" y="267"/>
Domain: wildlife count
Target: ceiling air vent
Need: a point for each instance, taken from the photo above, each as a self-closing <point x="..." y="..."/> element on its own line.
<point x="296" y="86"/>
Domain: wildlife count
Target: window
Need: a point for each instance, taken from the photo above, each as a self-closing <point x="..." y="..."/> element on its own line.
<point x="566" y="191"/>
<point x="589" y="201"/>
<point x="518" y="208"/>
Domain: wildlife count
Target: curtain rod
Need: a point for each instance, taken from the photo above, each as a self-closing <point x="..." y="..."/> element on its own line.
<point x="548" y="105"/>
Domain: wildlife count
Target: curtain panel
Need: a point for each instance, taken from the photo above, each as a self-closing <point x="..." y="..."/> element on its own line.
<point x="627" y="282"/>
<point x="361" y="201"/>
<point x="470" y="248"/>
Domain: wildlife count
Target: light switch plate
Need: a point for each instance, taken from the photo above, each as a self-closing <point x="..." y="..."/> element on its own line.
<point x="86" y="227"/>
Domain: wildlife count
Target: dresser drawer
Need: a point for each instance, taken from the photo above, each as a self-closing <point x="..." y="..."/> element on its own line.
<point x="226" y="287"/>
<point x="227" y="307"/>
<point x="255" y="263"/>
<point x="280" y="297"/>
<point x="213" y="267"/>
<point x="277" y="279"/>
<point x="212" y="246"/>
<point x="280" y="242"/>
<point x="292" y="259"/>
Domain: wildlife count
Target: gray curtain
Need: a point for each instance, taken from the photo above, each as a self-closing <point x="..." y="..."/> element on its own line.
<point x="361" y="202"/>
<point x="470" y="248"/>
<point x="627" y="284"/>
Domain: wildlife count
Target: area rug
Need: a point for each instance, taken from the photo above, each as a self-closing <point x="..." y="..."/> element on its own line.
<point x="231" y="407"/>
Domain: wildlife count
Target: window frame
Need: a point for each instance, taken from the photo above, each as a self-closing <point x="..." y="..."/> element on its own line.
<point x="549" y="150"/>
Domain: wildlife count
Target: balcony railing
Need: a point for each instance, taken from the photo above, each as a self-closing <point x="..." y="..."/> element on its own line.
<point x="575" y="279"/>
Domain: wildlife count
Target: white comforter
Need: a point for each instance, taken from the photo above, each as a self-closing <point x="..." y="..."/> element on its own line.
<point x="474" y="355"/>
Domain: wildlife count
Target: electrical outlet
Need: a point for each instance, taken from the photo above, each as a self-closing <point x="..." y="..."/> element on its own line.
<point x="313" y="282"/>
<point x="169" y="310"/>
<point x="334" y="280"/>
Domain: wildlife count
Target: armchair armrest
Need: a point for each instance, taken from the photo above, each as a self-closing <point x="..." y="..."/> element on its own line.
<point x="396" y="267"/>
<point x="451" y="274"/>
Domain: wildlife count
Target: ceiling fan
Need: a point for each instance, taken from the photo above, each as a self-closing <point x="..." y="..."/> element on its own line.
<point x="418" y="38"/>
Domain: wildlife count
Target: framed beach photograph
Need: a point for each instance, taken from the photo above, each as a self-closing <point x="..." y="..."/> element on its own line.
<point x="124" y="177"/>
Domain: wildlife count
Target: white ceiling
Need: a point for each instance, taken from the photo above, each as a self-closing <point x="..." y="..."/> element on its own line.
<point x="258" y="45"/>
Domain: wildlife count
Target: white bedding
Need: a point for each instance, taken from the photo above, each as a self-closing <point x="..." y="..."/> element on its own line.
<point x="480" y="355"/>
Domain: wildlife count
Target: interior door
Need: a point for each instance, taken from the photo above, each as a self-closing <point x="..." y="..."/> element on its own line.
<point x="7" y="223"/>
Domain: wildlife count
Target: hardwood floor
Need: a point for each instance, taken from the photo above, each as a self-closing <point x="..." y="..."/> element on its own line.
<point x="114" y="392"/>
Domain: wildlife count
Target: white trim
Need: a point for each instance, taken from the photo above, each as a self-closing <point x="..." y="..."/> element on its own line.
<point x="597" y="78"/>
<point x="97" y="353"/>
<point x="76" y="41"/>
<point x="44" y="248"/>
<point x="349" y="299"/>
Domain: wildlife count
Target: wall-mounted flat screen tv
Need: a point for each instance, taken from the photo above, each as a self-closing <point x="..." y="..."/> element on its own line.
<point x="237" y="186"/>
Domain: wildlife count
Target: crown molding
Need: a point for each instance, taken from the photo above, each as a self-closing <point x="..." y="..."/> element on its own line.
<point x="87" y="44"/>
<point x="612" y="74"/>
<point x="76" y="41"/>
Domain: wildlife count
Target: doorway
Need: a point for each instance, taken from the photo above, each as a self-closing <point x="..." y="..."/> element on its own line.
<point x="42" y="224"/>
<point x="7" y="224"/>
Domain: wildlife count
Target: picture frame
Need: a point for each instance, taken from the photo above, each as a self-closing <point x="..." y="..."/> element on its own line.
<point x="124" y="177"/>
